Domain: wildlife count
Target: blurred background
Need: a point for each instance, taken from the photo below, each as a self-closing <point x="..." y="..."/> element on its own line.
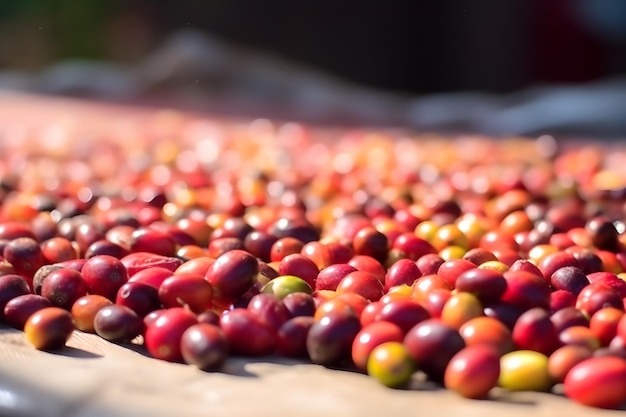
<point x="497" y="67"/>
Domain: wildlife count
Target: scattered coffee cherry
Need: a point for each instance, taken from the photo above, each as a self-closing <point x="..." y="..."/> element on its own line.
<point x="597" y="382"/>
<point x="104" y="275"/>
<point x="49" y="328"/>
<point x="19" y="309"/>
<point x="63" y="287"/>
<point x="84" y="311"/>
<point x="391" y="364"/>
<point x="473" y="371"/>
<point x="11" y="286"/>
<point x="117" y="323"/>
<point x="525" y="370"/>
<point x="25" y="254"/>
<point x="204" y="346"/>
<point x="371" y="336"/>
<point x="163" y="335"/>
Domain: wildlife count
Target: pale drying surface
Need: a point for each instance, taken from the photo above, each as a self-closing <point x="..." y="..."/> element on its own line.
<point x="95" y="378"/>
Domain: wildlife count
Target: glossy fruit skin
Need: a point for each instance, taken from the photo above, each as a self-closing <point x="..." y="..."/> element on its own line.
<point x="285" y="246"/>
<point x="486" y="284"/>
<point x="526" y="266"/>
<point x="371" y="336"/>
<point x="291" y="337"/>
<point x="427" y="283"/>
<point x="390" y="364"/>
<point x="370" y="242"/>
<point x="209" y="317"/>
<point x="152" y="317"/>
<point x="569" y="278"/>
<point x="403" y="271"/>
<point x="162" y="337"/>
<point x="117" y="323"/>
<point x="105" y="247"/>
<point x="197" y="265"/>
<point x="84" y="311"/>
<point x="317" y="252"/>
<point x="487" y="331"/>
<point x="404" y="313"/>
<point x="49" y="328"/>
<point x="555" y="261"/>
<point x="204" y="346"/>
<point x="602" y="233"/>
<point x="220" y="246"/>
<point x="588" y="261"/>
<point x="152" y="241"/>
<point x="369" y="312"/>
<point x="609" y="279"/>
<point x="232" y="227"/>
<point x="19" y="309"/>
<point x="581" y="336"/>
<point x="24" y="253"/>
<point x="363" y="283"/>
<point x="63" y="287"/>
<point x="284" y="285"/>
<point x="526" y="290"/>
<point x="300" y="266"/>
<point x="338" y="253"/>
<point x="330" y="277"/>
<point x="87" y="233"/>
<point x="189" y="290"/>
<point x="270" y="309"/>
<point x="597" y="296"/>
<point x="330" y="339"/>
<point x="231" y="275"/>
<point x="429" y="263"/>
<point x="153" y="276"/>
<point x="504" y="312"/>
<point x="58" y="249"/>
<point x="597" y="382"/>
<point x="452" y="269"/>
<point x="11" y="230"/>
<point x="139" y="297"/>
<point x="435" y="301"/>
<point x="535" y="331"/>
<point x="369" y="264"/>
<point x="259" y="244"/>
<point x="354" y="302"/>
<point x="479" y="256"/>
<point x="432" y="344"/>
<point x="411" y="246"/>
<point x="562" y="360"/>
<point x="561" y="299"/>
<point x="604" y="324"/>
<point x="299" y="304"/>
<point x="460" y="307"/>
<point x="473" y="371"/>
<point x="104" y="275"/>
<point x="525" y="370"/>
<point x="568" y="317"/>
<point x="247" y="334"/>
<point x="11" y="286"/>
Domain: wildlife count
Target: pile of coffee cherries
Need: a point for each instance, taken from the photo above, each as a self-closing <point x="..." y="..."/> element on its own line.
<point x="475" y="262"/>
